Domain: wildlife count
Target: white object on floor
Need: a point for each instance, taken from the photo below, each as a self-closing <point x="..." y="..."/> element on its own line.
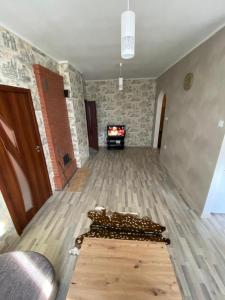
<point x="130" y="213"/>
<point x="74" y="251"/>
<point x="99" y="208"/>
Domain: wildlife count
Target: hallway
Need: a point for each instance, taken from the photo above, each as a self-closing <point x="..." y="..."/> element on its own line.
<point x="133" y="180"/>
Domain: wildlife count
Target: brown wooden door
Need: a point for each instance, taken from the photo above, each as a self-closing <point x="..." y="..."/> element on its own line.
<point x="24" y="180"/>
<point x="163" y="110"/>
<point x="92" y="126"/>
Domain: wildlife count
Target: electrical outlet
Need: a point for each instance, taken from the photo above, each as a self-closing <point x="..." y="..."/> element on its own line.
<point x="221" y="123"/>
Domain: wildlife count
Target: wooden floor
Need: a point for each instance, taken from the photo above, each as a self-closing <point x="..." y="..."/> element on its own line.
<point x="133" y="180"/>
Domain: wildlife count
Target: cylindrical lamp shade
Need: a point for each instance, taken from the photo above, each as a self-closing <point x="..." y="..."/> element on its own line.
<point x="127" y="34"/>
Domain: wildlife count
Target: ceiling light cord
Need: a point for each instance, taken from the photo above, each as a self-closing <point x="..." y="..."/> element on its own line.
<point x="120" y="69"/>
<point x="128" y="4"/>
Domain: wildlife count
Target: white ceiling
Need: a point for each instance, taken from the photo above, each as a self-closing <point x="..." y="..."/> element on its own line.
<point x="87" y="32"/>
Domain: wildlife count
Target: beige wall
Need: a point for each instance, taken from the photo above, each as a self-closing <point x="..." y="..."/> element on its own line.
<point x="191" y="134"/>
<point x="134" y="107"/>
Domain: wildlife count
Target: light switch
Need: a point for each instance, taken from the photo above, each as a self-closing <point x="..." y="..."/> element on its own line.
<point x="221" y="123"/>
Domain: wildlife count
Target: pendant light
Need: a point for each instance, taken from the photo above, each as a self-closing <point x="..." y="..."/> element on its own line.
<point x="128" y="33"/>
<point x="120" y="79"/>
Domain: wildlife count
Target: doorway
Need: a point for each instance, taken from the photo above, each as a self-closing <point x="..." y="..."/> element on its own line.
<point x="162" y="122"/>
<point x="92" y="125"/>
<point x="215" y="199"/>
<point x="159" y="121"/>
<point x="24" y="180"/>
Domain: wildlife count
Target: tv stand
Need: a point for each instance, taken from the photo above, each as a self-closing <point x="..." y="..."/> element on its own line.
<point x="115" y="142"/>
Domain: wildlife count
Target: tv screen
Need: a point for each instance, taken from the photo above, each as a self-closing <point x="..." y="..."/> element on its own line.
<point x="116" y="130"/>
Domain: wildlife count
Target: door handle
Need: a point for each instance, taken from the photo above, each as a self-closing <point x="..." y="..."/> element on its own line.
<point x="38" y="148"/>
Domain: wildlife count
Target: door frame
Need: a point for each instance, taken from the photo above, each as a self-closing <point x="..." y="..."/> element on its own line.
<point x="158" y="118"/>
<point x="87" y="112"/>
<point x="3" y="188"/>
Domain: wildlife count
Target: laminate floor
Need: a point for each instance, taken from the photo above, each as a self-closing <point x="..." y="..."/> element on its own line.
<point x="133" y="180"/>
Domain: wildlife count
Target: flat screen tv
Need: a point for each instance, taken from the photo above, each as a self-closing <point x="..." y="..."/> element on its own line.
<point x="116" y="130"/>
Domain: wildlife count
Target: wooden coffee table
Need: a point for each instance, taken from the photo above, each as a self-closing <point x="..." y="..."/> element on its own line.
<point x="109" y="269"/>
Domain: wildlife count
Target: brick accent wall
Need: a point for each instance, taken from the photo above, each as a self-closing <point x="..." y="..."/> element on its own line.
<point x="55" y="115"/>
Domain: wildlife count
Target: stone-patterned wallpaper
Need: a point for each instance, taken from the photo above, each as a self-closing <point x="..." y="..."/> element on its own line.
<point x="134" y="107"/>
<point x="16" y="60"/>
<point x="73" y="81"/>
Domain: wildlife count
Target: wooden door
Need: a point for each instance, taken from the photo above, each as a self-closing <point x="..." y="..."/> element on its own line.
<point x="24" y="180"/>
<point x="163" y="110"/>
<point x="92" y="126"/>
